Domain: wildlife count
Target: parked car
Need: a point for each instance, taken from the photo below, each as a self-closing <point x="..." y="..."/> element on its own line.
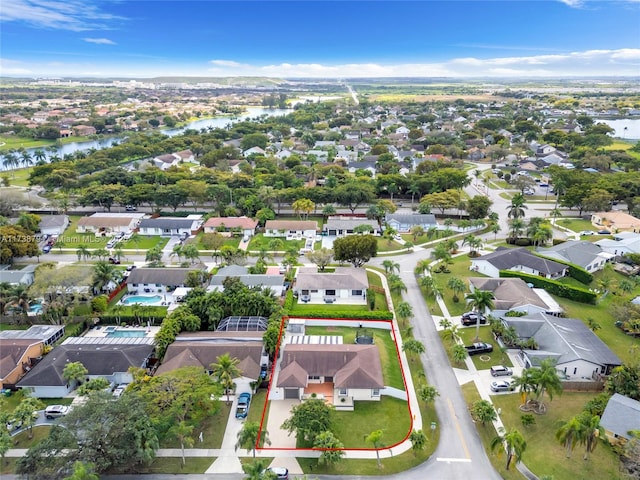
<point x="55" y="411"/>
<point x="471" y="318"/>
<point x="585" y="233"/>
<point x="114" y="260"/>
<point x="112" y="243"/>
<point x="501" y="386"/>
<point x="13" y="424"/>
<point x="46" y="249"/>
<point x="501" y="370"/>
<point x="604" y="232"/>
<point x="130" y="208"/>
<point x="244" y="400"/>
<point x="130" y="267"/>
<point x="281" y="473"/>
<point x="119" y="390"/>
<point x="479" y="347"/>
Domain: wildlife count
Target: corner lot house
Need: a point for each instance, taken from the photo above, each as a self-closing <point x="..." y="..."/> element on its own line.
<point x="519" y="260"/>
<point x="17" y="357"/>
<point x="513" y="294"/>
<point x="171" y="226"/>
<point x="53" y="224"/>
<point x="616" y="221"/>
<point x="157" y="280"/>
<point x="107" y="224"/>
<point x="621" y="415"/>
<point x="349" y="372"/>
<point x="225" y="225"/>
<point x="346" y="285"/>
<point x="579" y="354"/>
<point x="403" y="223"/>
<point x="291" y="229"/>
<point x="578" y="252"/>
<point x="105" y="357"/>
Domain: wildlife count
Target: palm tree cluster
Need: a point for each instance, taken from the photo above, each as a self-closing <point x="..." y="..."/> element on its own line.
<point x="583" y="429"/>
<point x="538" y="380"/>
<point x="14" y="298"/>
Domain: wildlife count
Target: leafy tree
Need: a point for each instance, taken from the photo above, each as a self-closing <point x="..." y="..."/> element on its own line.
<point x="6" y="442"/>
<point x="303" y="207"/>
<point x="16" y="242"/>
<point x="249" y="436"/>
<point x="416" y="231"/>
<point x="97" y="384"/>
<point x="459" y="353"/>
<point x="484" y="411"/>
<point x="321" y="257"/>
<point x="418" y="441"/>
<point x="309" y="419"/>
<point x="375" y="438"/>
<point x="513" y="442"/>
<point x="480" y="301"/>
<point x="355" y="249"/>
<point x="353" y="194"/>
<point x="332" y="448"/>
<point x="625" y="380"/>
<point x="83" y="471"/>
<point x="225" y="370"/>
<point x="25" y="410"/>
<point x="478" y="206"/>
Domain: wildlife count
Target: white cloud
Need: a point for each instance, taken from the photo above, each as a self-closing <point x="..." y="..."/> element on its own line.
<point x="100" y="41"/>
<point x="226" y="63"/>
<point x="13" y="67"/>
<point x="74" y="15"/>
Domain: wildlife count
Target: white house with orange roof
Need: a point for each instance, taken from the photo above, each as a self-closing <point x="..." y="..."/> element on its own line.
<point x="616" y="221"/>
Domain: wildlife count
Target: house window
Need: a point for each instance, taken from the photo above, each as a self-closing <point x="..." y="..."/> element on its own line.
<point x="313" y="377"/>
<point x="575" y="370"/>
<point x="356" y="293"/>
<point x="342" y="392"/>
<point x="314" y="291"/>
<point x="158" y="284"/>
<point x="375" y="392"/>
<point x="304" y="292"/>
<point x="331" y="293"/>
<point x="328" y="379"/>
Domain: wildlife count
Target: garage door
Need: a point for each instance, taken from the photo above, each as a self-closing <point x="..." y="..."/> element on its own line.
<point x="291" y="394"/>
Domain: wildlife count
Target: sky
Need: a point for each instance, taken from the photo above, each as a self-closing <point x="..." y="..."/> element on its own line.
<point x="327" y="39"/>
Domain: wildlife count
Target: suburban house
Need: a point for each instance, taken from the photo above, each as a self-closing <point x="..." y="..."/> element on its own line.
<point x="402" y="223"/>
<point x="24" y="276"/>
<point x="621" y="244"/>
<point x="291" y="229"/>
<point x="171" y="226"/>
<point x="578" y="252"/>
<point x="346" y="285"/>
<point x="83" y="130"/>
<point x="202" y="349"/>
<point x="168" y="160"/>
<point x="343" y="226"/>
<point x="47" y="334"/>
<point x="107" y="224"/>
<point x="369" y="165"/>
<point x="17" y="357"/>
<point x="157" y="280"/>
<point x="273" y="282"/>
<point x="343" y="373"/>
<point x="579" y="354"/>
<point x="620" y="416"/>
<point x="53" y="224"/>
<point x="513" y="294"/>
<point x="616" y="221"/>
<point x="224" y="225"/>
<point x="519" y="260"/>
<point x="253" y="151"/>
<point x="105" y="357"/>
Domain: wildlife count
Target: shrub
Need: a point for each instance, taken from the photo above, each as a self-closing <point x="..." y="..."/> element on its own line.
<point x="361" y="315"/>
<point x="578" y="294"/>
<point x="99" y="303"/>
<point x="289" y="301"/>
<point x="523" y="242"/>
<point x="515" y="313"/>
<point x="371" y="298"/>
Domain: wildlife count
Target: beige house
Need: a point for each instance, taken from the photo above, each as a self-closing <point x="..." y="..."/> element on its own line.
<point x="616" y="221"/>
<point x="106" y="224"/>
<point x="17" y="357"/>
<point x="225" y="225"/>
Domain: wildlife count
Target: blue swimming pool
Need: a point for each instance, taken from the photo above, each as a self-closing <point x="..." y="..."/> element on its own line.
<point x="145" y="299"/>
<point x="35" y="308"/>
<point x="126" y="333"/>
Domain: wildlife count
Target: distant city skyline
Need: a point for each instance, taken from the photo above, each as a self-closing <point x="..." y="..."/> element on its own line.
<point x="329" y="39"/>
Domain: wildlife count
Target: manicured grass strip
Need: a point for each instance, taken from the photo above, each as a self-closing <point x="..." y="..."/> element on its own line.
<point x="143" y="242"/>
<point x="212" y="429"/>
<point x="544" y="455"/>
<point x="259" y="242"/>
<point x="173" y="465"/>
<point x="576" y="224"/>
<point x="486" y="360"/>
<point x="22" y="440"/>
<point x="459" y="269"/>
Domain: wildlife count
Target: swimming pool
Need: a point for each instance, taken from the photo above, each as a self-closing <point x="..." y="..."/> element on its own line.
<point x="35" y="308"/>
<point x="141" y="299"/>
<point x="126" y="333"/>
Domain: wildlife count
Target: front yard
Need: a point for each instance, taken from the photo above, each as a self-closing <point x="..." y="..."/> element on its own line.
<point x="260" y="242"/>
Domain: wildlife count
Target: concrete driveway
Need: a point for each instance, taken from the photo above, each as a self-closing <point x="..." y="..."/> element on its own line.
<point x="279" y="411"/>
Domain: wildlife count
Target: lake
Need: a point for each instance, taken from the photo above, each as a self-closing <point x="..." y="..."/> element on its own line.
<point x="628" y="129"/>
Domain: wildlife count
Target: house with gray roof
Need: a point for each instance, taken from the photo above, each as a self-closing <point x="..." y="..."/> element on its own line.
<point x="513" y="295"/>
<point x="47" y="334"/>
<point x="110" y="360"/>
<point x="158" y="280"/>
<point x="53" y="224"/>
<point x="369" y="165"/>
<point x="620" y="416"/>
<point x="348" y="373"/>
<point x="402" y="223"/>
<point x="171" y="226"/>
<point x="273" y="282"/>
<point x="24" y="276"/>
<point x="621" y="244"/>
<point x="346" y="285"/>
<point x="519" y="260"/>
<point x="578" y="353"/>
<point x="578" y="252"/>
<point x="343" y="226"/>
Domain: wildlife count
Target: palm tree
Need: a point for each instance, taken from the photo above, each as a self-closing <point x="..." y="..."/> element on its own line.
<point x="430" y="286"/>
<point x="390" y="266"/>
<point x="422" y="267"/>
<point x="249" y="436"/>
<point x="475" y="244"/>
<point x="375" y="438"/>
<point x="514" y="444"/>
<point x="591" y="432"/>
<point x="427" y="393"/>
<point x="451" y="333"/>
<point x="458" y="286"/>
<point x="182" y="431"/>
<point x="303" y="207"/>
<point x="74" y="372"/>
<point x="39" y="155"/>
<point x="526" y="384"/>
<point x="517" y="226"/>
<point x="495" y="229"/>
<point x="569" y="434"/>
<point x="418" y="441"/>
<point x="517" y="207"/>
<point x="547" y="379"/>
<point x="480" y="301"/>
<point x="458" y="353"/>
<point x="416" y="231"/>
<point x="396" y="285"/>
<point x="83" y="253"/>
<point x="225" y="370"/>
<point x="413" y="346"/>
<point x="404" y="311"/>
<point x="103" y="274"/>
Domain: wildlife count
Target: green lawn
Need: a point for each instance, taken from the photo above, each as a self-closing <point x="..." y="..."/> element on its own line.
<point x="144" y="242"/>
<point x="300" y="309"/>
<point x="385" y="246"/>
<point x="212" y="432"/>
<point x="390" y="415"/>
<point x="484" y="361"/>
<point x="9" y="142"/>
<point x="544" y="455"/>
<point x="231" y="241"/>
<point x="575" y="224"/>
<point x="18" y="177"/>
<point x="460" y="269"/>
<point x="391" y="371"/>
<point x="259" y="242"/>
<point x="173" y="465"/>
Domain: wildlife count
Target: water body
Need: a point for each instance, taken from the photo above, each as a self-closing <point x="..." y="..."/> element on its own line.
<point x="627" y="129"/>
<point x="216" y="122"/>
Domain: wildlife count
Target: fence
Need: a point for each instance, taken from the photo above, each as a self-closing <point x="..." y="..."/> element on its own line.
<point x="586" y="386"/>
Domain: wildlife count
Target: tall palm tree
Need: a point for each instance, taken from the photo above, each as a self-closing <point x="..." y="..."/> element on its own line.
<point x="422" y="267"/>
<point x="526" y="384"/>
<point x="480" y="301"/>
<point x="103" y="274"/>
<point x="396" y="285"/>
<point x="83" y="252"/>
<point x="390" y="266"/>
<point x="591" y="432"/>
<point x="517" y="226"/>
<point x="458" y="286"/>
<point x="225" y="370"/>
<point x="514" y="444"/>
<point x="517" y="207"/>
<point x="249" y="436"/>
<point x="569" y="434"/>
<point x="547" y="379"/>
<point x="404" y="311"/>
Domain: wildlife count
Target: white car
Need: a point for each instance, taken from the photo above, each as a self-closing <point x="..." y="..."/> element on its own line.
<point x="55" y="411"/>
<point x="586" y="233"/>
<point x="119" y="390"/>
<point x="501" y="386"/>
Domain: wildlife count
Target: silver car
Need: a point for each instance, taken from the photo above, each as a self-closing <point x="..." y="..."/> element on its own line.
<point x="500" y="370"/>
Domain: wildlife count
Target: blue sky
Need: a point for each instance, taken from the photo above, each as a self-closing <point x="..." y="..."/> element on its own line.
<point x="453" y="38"/>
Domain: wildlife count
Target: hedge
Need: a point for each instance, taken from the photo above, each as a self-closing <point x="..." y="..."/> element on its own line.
<point x="111" y="319"/>
<point x="579" y="273"/>
<point x="288" y="301"/>
<point x="581" y="295"/>
<point x="356" y="315"/>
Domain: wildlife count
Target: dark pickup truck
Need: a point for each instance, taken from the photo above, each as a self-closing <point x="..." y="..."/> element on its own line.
<point x="477" y="348"/>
